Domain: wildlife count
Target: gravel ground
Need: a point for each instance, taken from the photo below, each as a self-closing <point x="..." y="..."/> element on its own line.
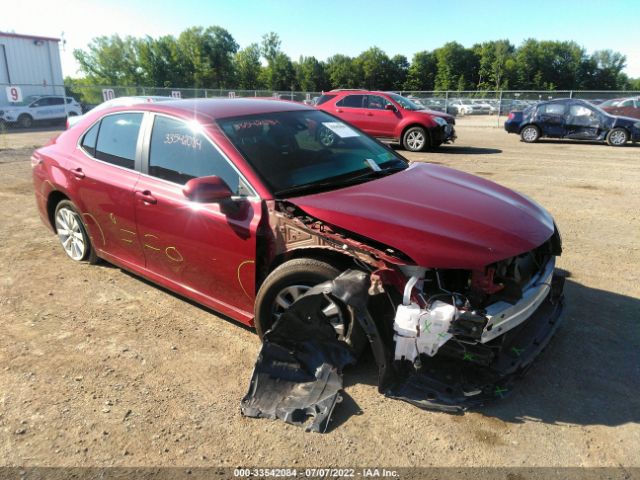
<point x="100" y="368"/>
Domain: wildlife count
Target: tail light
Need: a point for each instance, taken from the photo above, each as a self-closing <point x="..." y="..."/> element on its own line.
<point x="67" y="124"/>
<point x="510" y="117"/>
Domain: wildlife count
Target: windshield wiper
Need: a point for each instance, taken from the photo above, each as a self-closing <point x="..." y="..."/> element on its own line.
<point x="341" y="182"/>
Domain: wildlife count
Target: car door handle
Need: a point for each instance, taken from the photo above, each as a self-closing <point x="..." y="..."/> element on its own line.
<point x="369" y="114"/>
<point x="78" y="173"/>
<point x="146" y="197"/>
<point x="339" y="110"/>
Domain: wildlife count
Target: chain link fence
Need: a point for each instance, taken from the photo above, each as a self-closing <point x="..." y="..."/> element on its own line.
<point x="481" y="108"/>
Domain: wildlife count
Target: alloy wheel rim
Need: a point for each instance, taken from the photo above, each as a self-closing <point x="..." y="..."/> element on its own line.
<point x="326" y="137"/>
<point x="288" y="295"/>
<point x="70" y="233"/>
<point x="415" y="140"/>
<point x="529" y="134"/>
<point x="618" y="138"/>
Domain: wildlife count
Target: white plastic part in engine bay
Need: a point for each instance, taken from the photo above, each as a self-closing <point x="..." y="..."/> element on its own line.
<point x="421" y="330"/>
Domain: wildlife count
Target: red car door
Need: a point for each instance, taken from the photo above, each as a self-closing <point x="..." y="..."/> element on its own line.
<point x="103" y="175"/>
<point x="379" y="121"/>
<point x="351" y="109"/>
<point x="203" y="250"/>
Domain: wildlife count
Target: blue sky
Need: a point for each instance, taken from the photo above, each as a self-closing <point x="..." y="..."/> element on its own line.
<point x="324" y="27"/>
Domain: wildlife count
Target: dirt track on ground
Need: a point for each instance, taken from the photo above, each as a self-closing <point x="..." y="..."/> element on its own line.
<point x="100" y="368"/>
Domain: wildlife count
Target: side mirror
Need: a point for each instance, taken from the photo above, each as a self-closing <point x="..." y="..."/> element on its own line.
<point x="207" y="190"/>
<point x="390" y="106"/>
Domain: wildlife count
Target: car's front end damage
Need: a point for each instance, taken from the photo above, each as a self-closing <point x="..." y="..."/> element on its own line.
<point x="443" y="338"/>
<point x="461" y="338"/>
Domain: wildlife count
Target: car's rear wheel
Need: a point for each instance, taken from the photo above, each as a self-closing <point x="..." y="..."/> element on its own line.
<point x="25" y="120"/>
<point x="415" y="139"/>
<point x="617" y="137"/>
<point x="530" y="134"/>
<point x="289" y="282"/>
<point x="72" y="234"/>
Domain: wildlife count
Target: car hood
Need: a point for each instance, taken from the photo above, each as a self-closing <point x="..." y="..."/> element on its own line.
<point x="439" y="217"/>
<point x="436" y="113"/>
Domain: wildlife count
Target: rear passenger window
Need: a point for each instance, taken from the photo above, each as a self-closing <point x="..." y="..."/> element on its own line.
<point x="178" y="153"/>
<point x="89" y="139"/>
<point x="553" y="109"/>
<point x="118" y="138"/>
<point x="352" y="101"/>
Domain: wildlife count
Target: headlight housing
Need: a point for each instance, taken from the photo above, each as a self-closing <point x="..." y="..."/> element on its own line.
<point x="440" y="121"/>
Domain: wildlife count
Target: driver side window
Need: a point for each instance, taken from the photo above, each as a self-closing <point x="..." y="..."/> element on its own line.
<point x="178" y="153"/>
<point x="580" y="111"/>
<point x="377" y="103"/>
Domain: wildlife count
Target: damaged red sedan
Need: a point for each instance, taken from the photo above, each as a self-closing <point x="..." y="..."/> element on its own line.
<point x="238" y="205"/>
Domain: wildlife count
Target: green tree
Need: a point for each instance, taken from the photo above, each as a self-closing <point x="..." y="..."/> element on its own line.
<point x="456" y="67"/>
<point x="609" y="66"/>
<point x="422" y="72"/>
<point x="270" y="46"/>
<point x="495" y="64"/>
<point x="311" y="75"/>
<point x="111" y="61"/>
<point x="398" y="70"/>
<point x="209" y="56"/>
<point x="248" y="67"/>
<point x="374" y="68"/>
<point x="279" y="73"/>
<point x="341" y="72"/>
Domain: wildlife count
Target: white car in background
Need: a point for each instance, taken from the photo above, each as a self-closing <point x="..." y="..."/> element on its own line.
<point x="484" y="107"/>
<point x="461" y="107"/>
<point x="40" y="108"/>
<point x="121" y="102"/>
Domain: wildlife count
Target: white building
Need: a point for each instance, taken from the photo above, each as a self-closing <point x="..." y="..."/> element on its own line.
<point x="30" y="62"/>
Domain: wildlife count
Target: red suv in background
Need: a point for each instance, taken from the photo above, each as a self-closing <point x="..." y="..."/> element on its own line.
<point x="389" y="116"/>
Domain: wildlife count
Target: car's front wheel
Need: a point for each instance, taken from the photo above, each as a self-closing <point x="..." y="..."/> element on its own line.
<point x="617" y="137"/>
<point x="415" y="139"/>
<point x="530" y="134"/>
<point x="72" y="234"/>
<point x="289" y="282"/>
<point x="25" y="120"/>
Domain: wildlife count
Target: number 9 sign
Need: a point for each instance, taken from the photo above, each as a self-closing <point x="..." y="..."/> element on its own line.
<point x="14" y="94"/>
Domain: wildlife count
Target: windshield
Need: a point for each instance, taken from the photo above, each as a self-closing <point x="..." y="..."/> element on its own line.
<point x="307" y="151"/>
<point x="405" y="102"/>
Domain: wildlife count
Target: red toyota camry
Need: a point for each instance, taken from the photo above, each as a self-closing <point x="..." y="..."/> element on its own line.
<point x="239" y="205"/>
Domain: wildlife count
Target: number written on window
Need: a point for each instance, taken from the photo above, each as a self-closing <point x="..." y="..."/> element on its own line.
<point x="179" y="153"/>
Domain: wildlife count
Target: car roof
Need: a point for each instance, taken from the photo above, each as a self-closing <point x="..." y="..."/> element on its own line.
<point x="216" y="108"/>
<point x="359" y="91"/>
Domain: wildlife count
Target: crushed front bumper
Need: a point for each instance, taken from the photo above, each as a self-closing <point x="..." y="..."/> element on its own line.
<point x="457" y="379"/>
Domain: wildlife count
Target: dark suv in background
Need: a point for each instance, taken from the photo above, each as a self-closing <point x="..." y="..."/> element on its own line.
<point x="390" y="117"/>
